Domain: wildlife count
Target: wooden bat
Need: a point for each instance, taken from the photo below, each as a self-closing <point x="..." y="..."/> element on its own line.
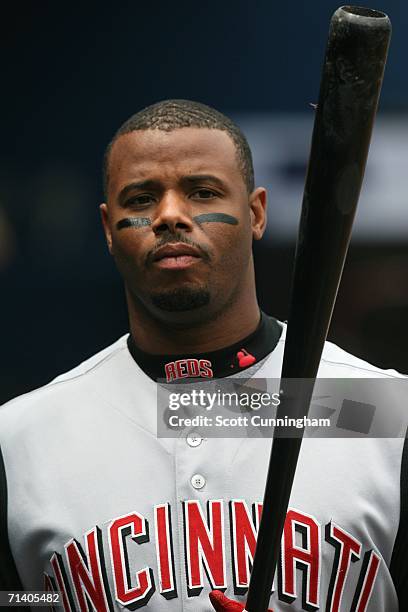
<point x="349" y="91"/>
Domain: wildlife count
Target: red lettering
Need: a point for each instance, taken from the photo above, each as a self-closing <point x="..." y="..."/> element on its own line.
<point x="348" y="549"/>
<point x="192" y="367"/>
<point x="184" y="368"/>
<point x="49" y="587"/>
<point x="164" y="548"/>
<point x="307" y="555"/>
<point x="181" y="368"/>
<point x="243" y="544"/>
<point x="135" y="526"/>
<point x="204" y="545"/>
<point x="59" y="573"/>
<point x="86" y="572"/>
<point x="205" y="368"/>
<point x="170" y="370"/>
<point x="368" y="575"/>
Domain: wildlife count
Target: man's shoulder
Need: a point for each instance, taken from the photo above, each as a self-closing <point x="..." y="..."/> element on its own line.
<point x="338" y="362"/>
<point x="91" y="364"/>
<point x="335" y="362"/>
<point x="62" y="388"/>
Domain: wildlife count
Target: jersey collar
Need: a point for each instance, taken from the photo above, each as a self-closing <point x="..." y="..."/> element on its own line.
<point x="224" y="362"/>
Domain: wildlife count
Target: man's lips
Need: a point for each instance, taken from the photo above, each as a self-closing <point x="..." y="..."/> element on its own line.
<point x="176" y="256"/>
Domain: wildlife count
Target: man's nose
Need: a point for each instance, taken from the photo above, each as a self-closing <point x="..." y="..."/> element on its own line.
<point x="172" y="214"/>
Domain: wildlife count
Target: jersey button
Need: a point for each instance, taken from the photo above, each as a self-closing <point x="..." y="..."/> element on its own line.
<point x="194" y="440"/>
<point x="198" y="481"/>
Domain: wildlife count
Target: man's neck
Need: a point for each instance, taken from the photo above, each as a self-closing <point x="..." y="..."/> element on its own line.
<point x="222" y="329"/>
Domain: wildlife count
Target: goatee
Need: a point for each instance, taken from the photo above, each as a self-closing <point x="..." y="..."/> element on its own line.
<point x="181" y="299"/>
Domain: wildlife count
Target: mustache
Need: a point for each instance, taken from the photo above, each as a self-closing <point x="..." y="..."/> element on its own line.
<point x="205" y="252"/>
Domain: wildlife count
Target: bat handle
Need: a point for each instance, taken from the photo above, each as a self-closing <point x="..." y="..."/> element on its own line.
<point x="283" y="459"/>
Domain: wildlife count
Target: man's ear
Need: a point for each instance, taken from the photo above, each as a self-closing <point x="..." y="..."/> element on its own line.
<point x="258" y="204"/>
<point x="106" y="225"/>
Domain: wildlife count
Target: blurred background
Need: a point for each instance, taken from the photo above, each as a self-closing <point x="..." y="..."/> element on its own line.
<point x="71" y="74"/>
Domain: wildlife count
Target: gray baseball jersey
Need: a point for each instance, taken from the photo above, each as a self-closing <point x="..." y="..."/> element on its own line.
<point x="95" y="505"/>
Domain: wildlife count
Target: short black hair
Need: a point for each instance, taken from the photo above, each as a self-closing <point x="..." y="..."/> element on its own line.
<point x="170" y="115"/>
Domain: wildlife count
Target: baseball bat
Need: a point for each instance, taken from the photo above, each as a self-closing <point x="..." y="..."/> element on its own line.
<point x="349" y="91"/>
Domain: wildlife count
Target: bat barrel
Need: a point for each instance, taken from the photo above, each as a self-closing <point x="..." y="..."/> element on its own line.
<point x="349" y="92"/>
<point x="350" y="88"/>
<point x="363" y="11"/>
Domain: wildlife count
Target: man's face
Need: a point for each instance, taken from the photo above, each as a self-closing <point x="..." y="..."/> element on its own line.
<point x="179" y="221"/>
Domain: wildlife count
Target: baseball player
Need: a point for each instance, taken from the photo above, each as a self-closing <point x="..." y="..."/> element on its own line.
<point x="94" y="505"/>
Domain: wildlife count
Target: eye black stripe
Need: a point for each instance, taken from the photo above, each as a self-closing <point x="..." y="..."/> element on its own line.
<point x="133" y="222"/>
<point x="138" y="222"/>
<point x="216" y="218"/>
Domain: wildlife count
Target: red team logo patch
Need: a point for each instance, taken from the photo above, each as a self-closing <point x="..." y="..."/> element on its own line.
<point x="188" y="368"/>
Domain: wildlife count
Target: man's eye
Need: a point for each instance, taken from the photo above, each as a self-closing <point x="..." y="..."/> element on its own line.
<point x="140" y="200"/>
<point x="204" y="194"/>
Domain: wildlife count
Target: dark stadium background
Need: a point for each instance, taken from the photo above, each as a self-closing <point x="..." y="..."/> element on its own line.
<point x="71" y="73"/>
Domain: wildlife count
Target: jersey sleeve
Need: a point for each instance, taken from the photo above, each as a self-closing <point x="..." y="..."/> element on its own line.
<point x="399" y="559"/>
<point x="9" y="578"/>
